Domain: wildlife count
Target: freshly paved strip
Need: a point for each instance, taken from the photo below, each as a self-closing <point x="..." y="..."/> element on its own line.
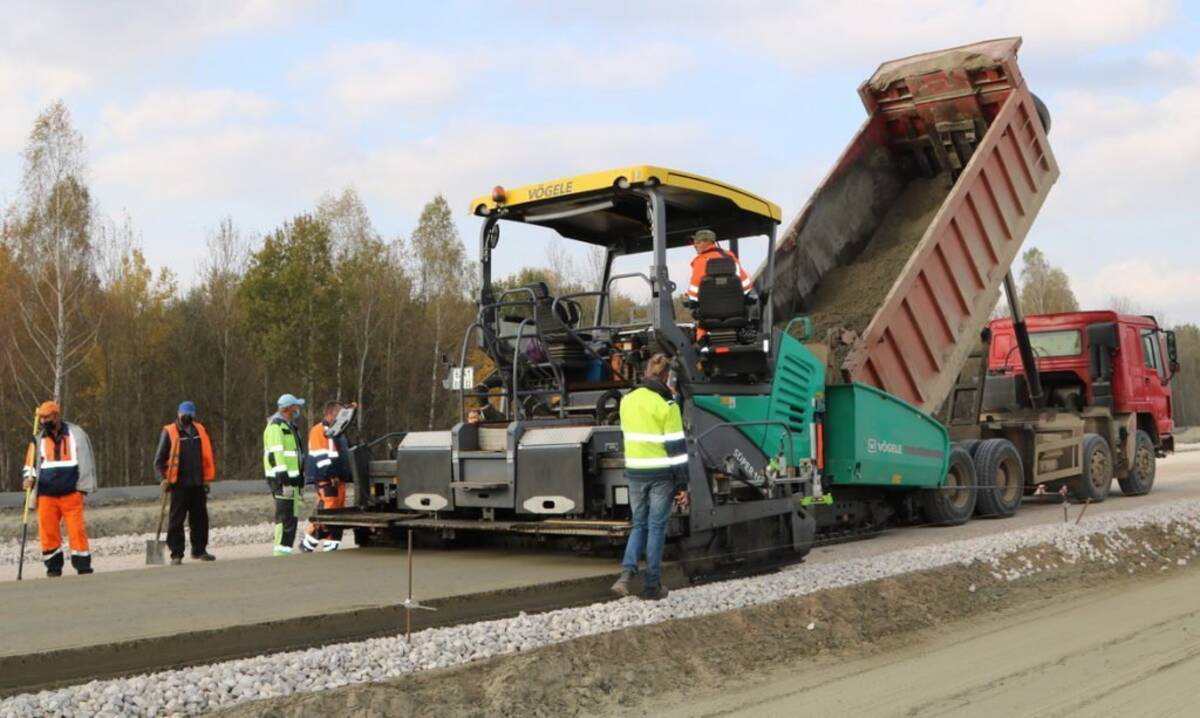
<point x="132" y="621"/>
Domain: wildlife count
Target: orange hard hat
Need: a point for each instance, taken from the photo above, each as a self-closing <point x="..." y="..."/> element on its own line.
<point x="47" y="408"/>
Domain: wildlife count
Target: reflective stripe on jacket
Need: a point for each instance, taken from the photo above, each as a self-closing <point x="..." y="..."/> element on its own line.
<point x="322" y="461"/>
<point x="700" y="268"/>
<point x="652" y="429"/>
<point x="208" y="467"/>
<point x="281" y="451"/>
<point x="63" y="464"/>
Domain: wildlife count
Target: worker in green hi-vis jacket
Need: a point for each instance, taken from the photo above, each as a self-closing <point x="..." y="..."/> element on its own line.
<point x="283" y="455"/>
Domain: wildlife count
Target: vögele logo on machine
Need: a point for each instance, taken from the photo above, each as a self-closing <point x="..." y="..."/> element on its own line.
<point x="879" y="446"/>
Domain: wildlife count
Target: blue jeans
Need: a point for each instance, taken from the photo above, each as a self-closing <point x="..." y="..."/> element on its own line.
<point x="650" y="501"/>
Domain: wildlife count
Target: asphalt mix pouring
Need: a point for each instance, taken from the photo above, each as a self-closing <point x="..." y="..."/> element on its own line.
<point x="1109" y="539"/>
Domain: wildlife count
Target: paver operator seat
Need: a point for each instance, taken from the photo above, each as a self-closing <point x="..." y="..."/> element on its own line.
<point x="721" y="310"/>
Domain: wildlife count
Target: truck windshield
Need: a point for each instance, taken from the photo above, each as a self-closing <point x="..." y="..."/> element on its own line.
<point x="1064" y="343"/>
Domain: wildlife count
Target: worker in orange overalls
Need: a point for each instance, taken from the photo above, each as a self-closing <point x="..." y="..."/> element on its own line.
<point x="61" y="464"/>
<point x="705" y="242"/>
<point x="328" y="466"/>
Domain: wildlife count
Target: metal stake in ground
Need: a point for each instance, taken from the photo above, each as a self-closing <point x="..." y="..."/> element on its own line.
<point x="409" y="603"/>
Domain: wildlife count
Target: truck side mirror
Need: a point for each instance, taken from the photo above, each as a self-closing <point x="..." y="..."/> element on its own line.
<point x="1172" y="353"/>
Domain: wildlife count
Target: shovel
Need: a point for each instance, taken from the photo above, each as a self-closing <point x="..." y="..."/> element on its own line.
<point x="156" y="549"/>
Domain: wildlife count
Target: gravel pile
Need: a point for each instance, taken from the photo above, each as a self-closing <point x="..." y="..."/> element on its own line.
<point x="192" y="691"/>
<point x="135" y="544"/>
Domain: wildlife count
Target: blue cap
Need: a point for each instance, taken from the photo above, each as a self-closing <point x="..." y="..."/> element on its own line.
<point x="188" y="408"/>
<point x="289" y="400"/>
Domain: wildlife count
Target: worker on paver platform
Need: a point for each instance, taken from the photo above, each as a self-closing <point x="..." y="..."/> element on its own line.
<point x="283" y="452"/>
<point x="656" y="468"/>
<point x="705" y="243"/>
<point x="61" y="464"/>
<point x="185" y="466"/>
<point x="327" y="466"/>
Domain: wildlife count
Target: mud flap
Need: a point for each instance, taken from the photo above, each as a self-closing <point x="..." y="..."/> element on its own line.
<point x="804" y="530"/>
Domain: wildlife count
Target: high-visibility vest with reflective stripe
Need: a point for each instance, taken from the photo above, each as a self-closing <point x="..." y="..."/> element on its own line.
<point x="208" y="466"/>
<point x="652" y="429"/>
<point x="56" y="466"/>
<point x="321" y="460"/>
<point x="281" y="451"/>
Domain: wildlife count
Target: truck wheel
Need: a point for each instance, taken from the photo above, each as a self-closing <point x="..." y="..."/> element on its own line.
<point x="1001" y="478"/>
<point x="1043" y="113"/>
<point x="970" y="446"/>
<point x="954" y="502"/>
<point x="1097" y="474"/>
<point x="1141" y="473"/>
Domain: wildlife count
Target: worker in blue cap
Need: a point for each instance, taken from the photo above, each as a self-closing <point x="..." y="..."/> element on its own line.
<point x="283" y="455"/>
<point x="185" y="466"/>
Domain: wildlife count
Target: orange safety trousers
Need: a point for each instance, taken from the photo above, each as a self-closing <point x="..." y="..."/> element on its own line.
<point x="52" y="510"/>
<point x="330" y="495"/>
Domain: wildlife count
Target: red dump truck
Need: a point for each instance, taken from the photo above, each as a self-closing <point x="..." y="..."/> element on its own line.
<point x="899" y="257"/>
<point x="1109" y="371"/>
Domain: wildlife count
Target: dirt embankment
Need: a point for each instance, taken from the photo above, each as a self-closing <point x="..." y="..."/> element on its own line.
<point x="142" y="517"/>
<point x="624" y="672"/>
<point x="849" y="296"/>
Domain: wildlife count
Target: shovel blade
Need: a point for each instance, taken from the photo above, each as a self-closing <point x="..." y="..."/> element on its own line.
<point x="156" y="553"/>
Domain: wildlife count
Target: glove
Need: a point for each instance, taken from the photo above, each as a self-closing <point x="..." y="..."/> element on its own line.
<point x="206" y="488"/>
<point x="27" y="484"/>
<point x="165" y="485"/>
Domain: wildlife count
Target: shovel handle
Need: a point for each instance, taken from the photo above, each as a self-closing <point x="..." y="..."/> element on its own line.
<point x="162" y="512"/>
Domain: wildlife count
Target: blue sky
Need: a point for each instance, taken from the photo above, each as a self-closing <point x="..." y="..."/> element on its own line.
<point x="194" y="111"/>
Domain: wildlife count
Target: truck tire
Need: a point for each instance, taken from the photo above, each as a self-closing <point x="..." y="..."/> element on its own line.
<point x="954" y="502"/>
<point x="970" y="446"/>
<point x="1141" y="472"/>
<point x="1043" y="113"/>
<point x="1001" y="478"/>
<point x="1094" y="482"/>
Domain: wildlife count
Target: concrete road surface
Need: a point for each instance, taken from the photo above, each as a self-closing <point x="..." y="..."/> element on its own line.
<point x="1177" y="478"/>
<point x="110" y="623"/>
<point x="1127" y="652"/>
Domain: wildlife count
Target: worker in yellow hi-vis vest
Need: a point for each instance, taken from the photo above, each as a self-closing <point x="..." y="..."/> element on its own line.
<point x="656" y="468"/>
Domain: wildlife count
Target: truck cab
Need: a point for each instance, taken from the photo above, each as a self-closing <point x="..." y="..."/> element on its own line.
<point x="1103" y="359"/>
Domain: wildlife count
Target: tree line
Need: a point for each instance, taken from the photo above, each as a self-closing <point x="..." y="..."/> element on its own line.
<point x="323" y="306"/>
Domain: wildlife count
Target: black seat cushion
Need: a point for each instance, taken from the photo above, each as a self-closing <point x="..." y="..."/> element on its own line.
<point x="721" y="303"/>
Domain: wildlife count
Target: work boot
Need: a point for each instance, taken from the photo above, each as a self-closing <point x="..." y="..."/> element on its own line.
<point x="86" y="571"/>
<point x="621" y="587"/>
<point x="177" y="560"/>
<point x="206" y="556"/>
<point x="53" y="573"/>
<point x="657" y="593"/>
<point x="309" y="544"/>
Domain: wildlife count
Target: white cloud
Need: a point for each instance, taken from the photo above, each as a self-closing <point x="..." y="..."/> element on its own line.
<point x="1122" y="155"/>
<point x="172" y="111"/>
<point x="468" y="160"/>
<point x="1156" y="284"/>
<point x="223" y="166"/>
<point x="365" y="78"/>
<point x="618" y="69"/>
<point x="820" y="34"/>
<point x="811" y="35"/>
<point x="25" y="91"/>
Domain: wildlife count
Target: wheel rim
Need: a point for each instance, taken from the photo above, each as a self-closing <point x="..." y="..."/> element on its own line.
<point x="1009" y="482"/>
<point x="1100" y="471"/>
<point x="956" y="491"/>
<point x="1144" y="462"/>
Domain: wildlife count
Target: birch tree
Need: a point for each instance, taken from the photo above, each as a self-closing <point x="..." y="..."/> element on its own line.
<point x="52" y="232"/>
<point x="441" y="279"/>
